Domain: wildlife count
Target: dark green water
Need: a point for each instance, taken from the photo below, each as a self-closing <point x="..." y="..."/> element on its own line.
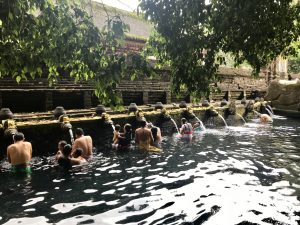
<point x="239" y="175"/>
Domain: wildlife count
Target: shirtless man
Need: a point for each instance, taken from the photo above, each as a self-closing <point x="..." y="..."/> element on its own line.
<point x="19" y="154"/>
<point x="186" y="129"/>
<point x="265" y="118"/>
<point x="143" y="136"/>
<point x="65" y="159"/>
<point x="78" y="156"/>
<point x="83" y="142"/>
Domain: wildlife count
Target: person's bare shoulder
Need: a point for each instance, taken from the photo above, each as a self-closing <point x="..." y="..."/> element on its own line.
<point x="10" y="147"/>
<point x="27" y="143"/>
<point x="75" y="161"/>
<point x="75" y="144"/>
<point x="137" y="131"/>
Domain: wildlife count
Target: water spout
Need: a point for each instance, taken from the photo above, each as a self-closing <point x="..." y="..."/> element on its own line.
<point x="269" y="112"/>
<point x="71" y="135"/>
<point x="113" y="126"/>
<point x="223" y="120"/>
<point x="175" y="125"/>
<point x="65" y="124"/>
<point x="257" y="113"/>
<point x="270" y="108"/>
<point x="239" y="115"/>
<point x="201" y="123"/>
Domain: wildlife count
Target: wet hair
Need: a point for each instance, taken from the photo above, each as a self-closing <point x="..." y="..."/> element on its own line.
<point x="79" y="131"/>
<point x="127" y="128"/>
<point x="67" y="150"/>
<point x="143" y="123"/>
<point x="62" y="143"/>
<point x="183" y="120"/>
<point x="18" y="136"/>
<point x="78" y="152"/>
<point x="117" y="127"/>
<point x="154" y="131"/>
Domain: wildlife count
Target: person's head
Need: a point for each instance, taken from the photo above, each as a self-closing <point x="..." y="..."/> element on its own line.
<point x="67" y="150"/>
<point x="79" y="132"/>
<point x="61" y="145"/>
<point x="265" y="118"/>
<point x="183" y="120"/>
<point x="127" y="128"/>
<point x="117" y="127"/>
<point x="149" y="125"/>
<point x="143" y="123"/>
<point x="18" y="137"/>
<point x="78" y="152"/>
<point x="197" y="124"/>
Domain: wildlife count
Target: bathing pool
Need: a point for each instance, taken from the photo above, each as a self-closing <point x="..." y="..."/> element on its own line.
<point x="225" y="176"/>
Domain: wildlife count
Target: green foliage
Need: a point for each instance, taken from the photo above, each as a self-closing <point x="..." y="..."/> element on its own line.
<point x="194" y="32"/>
<point x="39" y="37"/>
<point x="294" y="60"/>
<point x="294" y="65"/>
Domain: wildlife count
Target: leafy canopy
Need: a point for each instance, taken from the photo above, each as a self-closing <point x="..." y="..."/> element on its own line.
<point x="294" y="60"/>
<point x="39" y="37"/>
<point x="194" y="32"/>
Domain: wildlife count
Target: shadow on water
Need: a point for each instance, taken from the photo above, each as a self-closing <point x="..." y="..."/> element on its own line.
<point x="235" y="175"/>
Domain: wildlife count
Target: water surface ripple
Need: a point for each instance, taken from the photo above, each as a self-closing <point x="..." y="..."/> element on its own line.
<point x="235" y="175"/>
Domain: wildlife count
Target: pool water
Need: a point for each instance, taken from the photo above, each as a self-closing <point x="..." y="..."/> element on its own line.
<point x="235" y="175"/>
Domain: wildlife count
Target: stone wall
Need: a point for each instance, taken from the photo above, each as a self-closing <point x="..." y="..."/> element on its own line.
<point x="36" y="95"/>
<point x="284" y="94"/>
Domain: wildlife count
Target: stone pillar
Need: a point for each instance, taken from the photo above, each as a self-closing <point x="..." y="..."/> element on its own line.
<point x="210" y="97"/>
<point x="145" y="97"/>
<point x="244" y="94"/>
<point x="228" y="96"/>
<point x="281" y="67"/>
<point x="48" y="101"/>
<point x="168" y="97"/>
<point x="87" y="100"/>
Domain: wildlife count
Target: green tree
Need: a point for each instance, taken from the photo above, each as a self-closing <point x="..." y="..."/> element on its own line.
<point x="294" y="60"/>
<point x="45" y="37"/>
<point x="194" y="32"/>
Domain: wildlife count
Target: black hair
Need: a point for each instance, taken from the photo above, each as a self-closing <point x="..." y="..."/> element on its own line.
<point x="183" y="120"/>
<point x="154" y="131"/>
<point x="117" y="127"/>
<point x="62" y="143"/>
<point x="143" y="123"/>
<point x="79" y="131"/>
<point x="67" y="150"/>
<point x="127" y="128"/>
<point x="18" y="136"/>
<point x="78" y="152"/>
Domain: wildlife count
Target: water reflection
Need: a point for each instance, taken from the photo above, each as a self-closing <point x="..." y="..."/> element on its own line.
<point x="234" y="175"/>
